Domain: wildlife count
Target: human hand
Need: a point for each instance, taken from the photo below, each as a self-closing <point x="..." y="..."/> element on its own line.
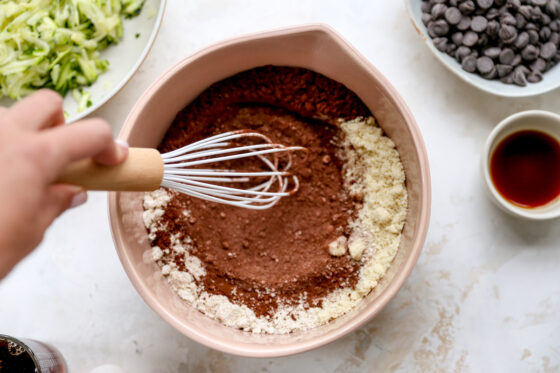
<point x="34" y="149"/>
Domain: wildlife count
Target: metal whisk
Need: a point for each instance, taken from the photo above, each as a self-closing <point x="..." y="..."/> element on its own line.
<point x="147" y="169"/>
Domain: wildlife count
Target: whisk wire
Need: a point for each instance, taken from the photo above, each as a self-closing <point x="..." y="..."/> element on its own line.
<point x="207" y="183"/>
<point x="250" y="153"/>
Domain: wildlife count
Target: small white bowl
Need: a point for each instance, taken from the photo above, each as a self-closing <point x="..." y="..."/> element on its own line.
<point x="551" y="78"/>
<point x="539" y="120"/>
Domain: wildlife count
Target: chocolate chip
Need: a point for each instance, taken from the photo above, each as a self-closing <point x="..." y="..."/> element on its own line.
<point x="492" y="29"/>
<point x="548" y="50"/>
<point x="530" y="52"/>
<point x="457" y="38"/>
<point x="426" y="7"/>
<point x="552" y="8"/>
<point x="469" y="64"/>
<point x="450" y="48"/>
<point x="522" y="40"/>
<point x="438" y="28"/>
<point x="461" y="53"/>
<point x="492" y="74"/>
<point x="492" y="13"/>
<point x="453" y="15"/>
<point x="503" y="70"/>
<point x="521" y="21"/>
<point x="545" y="33"/>
<point x="534" y="76"/>
<point x="508" y="19"/>
<point x="539" y="65"/>
<point x="426" y="18"/>
<point x="513" y="4"/>
<point x="555" y="38"/>
<point x="464" y="24"/>
<point x="470" y="38"/>
<point x="484" y="64"/>
<point x="539" y="2"/>
<point x="516" y="60"/>
<point x="525" y="11"/>
<point x="508" y="79"/>
<point x="530" y="26"/>
<point x="537" y="14"/>
<point x="533" y="36"/>
<point x="507" y="34"/>
<point x="431" y="30"/>
<point x="441" y="44"/>
<point x="467" y="7"/>
<point x="524" y="69"/>
<point x="519" y="78"/>
<point x="438" y="10"/>
<point x="479" y="23"/>
<point x="485" y="4"/>
<point x="506" y="56"/>
<point x="492" y="52"/>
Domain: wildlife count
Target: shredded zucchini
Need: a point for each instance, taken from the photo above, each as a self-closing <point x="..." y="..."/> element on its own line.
<point x="55" y="43"/>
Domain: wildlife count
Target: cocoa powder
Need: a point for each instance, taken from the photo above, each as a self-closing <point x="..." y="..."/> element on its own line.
<point x="297" y="90"/>
<point x="279" y="255"/>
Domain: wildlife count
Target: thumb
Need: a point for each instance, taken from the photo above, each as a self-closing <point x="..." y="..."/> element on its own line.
<point x="61" y="197"/>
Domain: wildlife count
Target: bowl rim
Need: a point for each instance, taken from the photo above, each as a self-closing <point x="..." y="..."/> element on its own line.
<point x="126" y="79"/>
<point x="535" y="214"/>
<point x="399" y="278"/>
<point x="463" y="75"/>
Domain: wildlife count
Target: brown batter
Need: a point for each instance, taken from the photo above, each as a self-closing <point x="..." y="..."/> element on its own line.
<point x="261" y="258"/>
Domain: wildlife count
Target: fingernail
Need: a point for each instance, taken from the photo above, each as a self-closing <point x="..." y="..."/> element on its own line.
<point x="78" y="199"/>
<point x="122" y="148"/>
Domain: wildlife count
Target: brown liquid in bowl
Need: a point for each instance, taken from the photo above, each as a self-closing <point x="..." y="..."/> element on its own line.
<point x="525" y="168"/>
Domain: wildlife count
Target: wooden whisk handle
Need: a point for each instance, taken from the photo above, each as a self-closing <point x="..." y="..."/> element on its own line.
<point x="141" y="171"/>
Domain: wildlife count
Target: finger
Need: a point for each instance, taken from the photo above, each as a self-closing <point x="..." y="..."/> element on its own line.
<point x="43" y="109"/>
<point x="114" y="154"/>
<point x="59" y="198"/>
<point x="76" y="141"/>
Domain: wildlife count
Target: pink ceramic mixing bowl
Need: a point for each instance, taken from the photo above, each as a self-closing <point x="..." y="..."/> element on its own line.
<point x="315" y="47"/>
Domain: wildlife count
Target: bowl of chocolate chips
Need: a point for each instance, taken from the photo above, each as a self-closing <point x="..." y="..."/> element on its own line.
<point x="319" y="263"/>
<point x="507" y="48"/>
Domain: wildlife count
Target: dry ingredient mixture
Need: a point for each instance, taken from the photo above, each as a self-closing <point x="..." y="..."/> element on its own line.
<point x="314" y="255"/>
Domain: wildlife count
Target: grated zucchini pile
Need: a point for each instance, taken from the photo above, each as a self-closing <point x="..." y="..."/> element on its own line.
<point x="55" y="43"/>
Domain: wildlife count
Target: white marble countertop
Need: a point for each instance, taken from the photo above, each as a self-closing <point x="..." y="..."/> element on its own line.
<point x="484" y="296"/>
